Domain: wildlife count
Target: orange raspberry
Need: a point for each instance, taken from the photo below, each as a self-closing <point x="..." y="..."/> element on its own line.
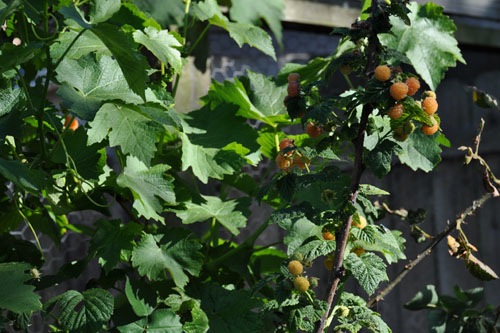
<point x="312" y="130"/>
<point x="429" y="130"/>
<point x="398" y="90"/>
<point x="301" y="283"/>
<point x="430" y="105"/>
<point x="327" y="235"/>
<point x="286" y="142"/>
<point x="283" y="162"/>
<point x="295" y="267"/>
<point x="413" y="85"/>
<point x="71" y="122"/>
<point x="396" y="111"/>
<point x="382" y="73"/>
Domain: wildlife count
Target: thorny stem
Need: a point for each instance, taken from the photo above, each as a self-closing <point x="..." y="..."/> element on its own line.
<point x="338" y="270"/>
<point x="476" y="204"/>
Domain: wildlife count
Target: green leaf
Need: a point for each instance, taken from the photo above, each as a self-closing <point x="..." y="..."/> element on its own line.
<point x="83" y="312"/>
<point x="11" y="56"/>
<point x="113" y="241"/>
<point x="88" y="160"/>
<point x="9" y="98"/>
<point x="424" y="299"/>
<point x="223" y="211"/>
<point x="220" y="127"/>
<point x="230" y="311"/>
<point x="420" y="151"/>
<point x="87" y="83"/>
<point x="128" y="126"/>
<point x="102" y="10"/>
<point x="85" y="44"/>
<point x="368" y="269"/>
<point x="184" y="303"/>
<point x="379" y="159"/>
<point x="380" y="239"/>
<point x="368" y="189"/>
<point x="252" y="12"/>
<point x="298" y="230"/>
<point x="132" y="62"/>
<point x="175" y="255"/>
<point x="28" y="180"/>
<point x="15" y="295"/>
<point x="242" y="33"/>
<point x="148" y="185"/>
<point x="162" y="44"/>
<point x="268" y="97"/>
<point x="166" y="12"/>
<point x="234" y="92"/>
<point x="141" y="296"/>
<point x="164" y="321"/>
<point x="428" y="42"/>
<point x="209" y="162"/>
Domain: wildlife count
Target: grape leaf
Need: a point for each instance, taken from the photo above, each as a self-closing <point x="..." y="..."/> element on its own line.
<point x="112" y="241"/>
<point x="428" y="42"/>
<point x="131" y="61"/>
<point x="173" y="254"/>
<point x="88" y="82"/>
<point x="162" y="44"/>
<point x="419" y="151"/>
<point x="27" y="179"/>
<point x="147" y="186"/>
<point x="230" y="311"/>
<point x="83" y="312"/>
<point x="209" y="162"/>
<point x="241" y="33"/>
<point x="86" y="159"/>
<point x="223" y="211"/>
<point x="86" y="43"/>
<point x="243" y="11"/>
<point x="368" y="269"/>
<point x="102" y="10"/>
<point x="141" y="296"/>
<point x="128" y="126"/>
<point x="15" y="295"/>
<point x="219" y="127"/>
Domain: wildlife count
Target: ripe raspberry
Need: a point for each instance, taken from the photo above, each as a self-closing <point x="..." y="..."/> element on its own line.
<point x="398" y="90"/>
<point x="312" y="130"/>
<point x="396" y="111"/>
<point x="361" y="224"/>
<point x="300" y="162"/>
<point x="71" y="123"/>
<point x="293" y="77"/>
<point x="295" y="267"/>
<point x="327" y="235"/>
<point x="382" y="73"/>
<point x="301" y="283"/>
<point x="429" y="130"/>
<point x="286" y="143"/>
<point x="413" y="85"/>
<point x="293" y="88"/>
<point x="283" y="162"/>
<point x="430" y="105"/>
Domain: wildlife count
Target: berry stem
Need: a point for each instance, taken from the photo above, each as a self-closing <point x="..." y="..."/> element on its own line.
<point x="476" y="204"/>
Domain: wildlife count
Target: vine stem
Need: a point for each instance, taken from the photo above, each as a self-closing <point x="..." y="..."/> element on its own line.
<point x="476" y="204"/>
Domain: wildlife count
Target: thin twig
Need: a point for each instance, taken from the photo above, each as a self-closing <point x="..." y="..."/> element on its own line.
<point x="476" y="204"/>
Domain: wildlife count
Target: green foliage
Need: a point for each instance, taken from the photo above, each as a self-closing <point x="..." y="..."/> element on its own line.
<point x="458" y="313"/>
<point x="428" y="42"/>
<point x="16" y="296"/>
<point x="175" y="243"/>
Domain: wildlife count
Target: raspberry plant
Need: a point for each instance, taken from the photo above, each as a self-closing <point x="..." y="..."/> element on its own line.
<point x="112" y="140"/>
